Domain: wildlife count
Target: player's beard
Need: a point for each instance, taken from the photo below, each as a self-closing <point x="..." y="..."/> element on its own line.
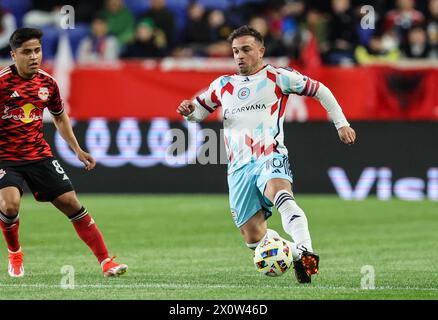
<point x="244" y="69"/>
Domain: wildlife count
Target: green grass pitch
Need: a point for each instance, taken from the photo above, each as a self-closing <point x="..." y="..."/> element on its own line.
<point x="187" y="247"/>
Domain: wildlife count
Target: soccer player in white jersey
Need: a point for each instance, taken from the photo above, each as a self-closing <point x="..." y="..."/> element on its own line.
<point x="259" y="177"/>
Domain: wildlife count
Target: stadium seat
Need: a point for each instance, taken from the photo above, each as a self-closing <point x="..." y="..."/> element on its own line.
<point x="137" y="7"/>
<point x="180" y="15"/>
<point x="242" y="2"/>
<point x="177" y="4"/>
<point x="364" y="35"/>
<point x="50" y="42"/>
<point x="75" y="35"/>
<point x="17" y="7"/>
<point x="216" y="4"/>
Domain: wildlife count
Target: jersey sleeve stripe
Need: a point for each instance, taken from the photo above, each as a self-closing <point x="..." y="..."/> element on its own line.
<point x="204" y="105"/>
<point x="57" y="113"/>
<point x="5" y="70"/>
<point x="309" y="89"/>
<point x="316" y="89"/>
<point x="46" y="74"/>
<point x="5" y="73"/>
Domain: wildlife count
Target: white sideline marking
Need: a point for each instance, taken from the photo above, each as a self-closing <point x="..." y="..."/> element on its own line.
<point x="207" y="286"/>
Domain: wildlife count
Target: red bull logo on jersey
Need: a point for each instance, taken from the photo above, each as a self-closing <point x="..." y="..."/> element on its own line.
<point x="43" y="93"/>
<point x="26" y="113"/>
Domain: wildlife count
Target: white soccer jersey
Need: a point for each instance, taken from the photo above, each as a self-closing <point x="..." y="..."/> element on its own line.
<point x="253" y="110"/>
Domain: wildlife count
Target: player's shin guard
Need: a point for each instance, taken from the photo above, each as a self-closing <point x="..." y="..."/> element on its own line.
<point x="89" y="233"/>
<point x="9" y="226"/>
<point x="294" y="220"/>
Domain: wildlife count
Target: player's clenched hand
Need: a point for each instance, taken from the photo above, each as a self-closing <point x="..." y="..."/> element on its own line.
<point x="347" y="135"/>
<point x="185" y="108"/>
<point x="86" y="159"/>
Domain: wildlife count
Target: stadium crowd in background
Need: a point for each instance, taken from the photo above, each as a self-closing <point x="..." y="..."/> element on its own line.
<point x="324" y="32"/>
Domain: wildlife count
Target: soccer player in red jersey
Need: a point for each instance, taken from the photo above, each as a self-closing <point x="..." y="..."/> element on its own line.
<point x="25" y="90"/>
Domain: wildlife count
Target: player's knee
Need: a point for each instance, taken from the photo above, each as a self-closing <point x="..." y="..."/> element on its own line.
<point x="10" y="208"/>
<point x="276" y="185"/>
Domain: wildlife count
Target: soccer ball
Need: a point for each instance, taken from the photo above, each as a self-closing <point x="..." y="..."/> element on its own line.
<point x="273" y="257"/>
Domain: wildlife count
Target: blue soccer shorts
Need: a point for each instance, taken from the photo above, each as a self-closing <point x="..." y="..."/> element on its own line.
<point x="247" y="186"/>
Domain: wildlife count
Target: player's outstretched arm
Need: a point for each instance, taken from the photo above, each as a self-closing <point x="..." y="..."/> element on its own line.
<point x="185" y="108"/>
<point x="347" y="135"/>
<point x="328" y="101"/>
<point x="191" y="112"/>
<point x="62" y="123"/>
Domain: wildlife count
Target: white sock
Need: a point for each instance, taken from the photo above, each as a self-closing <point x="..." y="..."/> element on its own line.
<point x="270" y="234"/>
<point x="294" y="220"/>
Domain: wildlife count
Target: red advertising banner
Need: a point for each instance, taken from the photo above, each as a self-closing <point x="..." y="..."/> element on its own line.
<point x="364" y="93"/>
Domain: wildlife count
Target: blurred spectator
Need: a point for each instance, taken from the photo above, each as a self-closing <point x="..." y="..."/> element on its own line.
<point x="119" y="19"/>
<point x="274" y="47"/>
<point x="218" y="27"/>
<point x="432" y="27"/>
<point x="149" y="42"/>
<point x="400" y="20"/>
<point x="162" y="18"/>
<point x="417" y="45"/>
<point x="342" y="33"/>
<point x="197" y="30"/>
<point x="7" y="27"/>
<point x="206" y="33"/>
<point x="317" y="24"/>
<point x="375" y="52"/>
<point x="99" y="46"/>
<point x="293" y="14"/>
<point x="219" y="31"/>
<point x="312" y="40"/>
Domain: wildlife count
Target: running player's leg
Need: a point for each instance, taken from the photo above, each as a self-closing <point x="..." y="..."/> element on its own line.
<point x="9" y="220"/>
<point x="248" y="209"/>
<point x="88" y="231"/>
<point x="294" y="220"/>
<point x="10" y="196"/>
<point x="275" y="184"/>
<point x="49" y="182"/>
<point x="254" y="230"/>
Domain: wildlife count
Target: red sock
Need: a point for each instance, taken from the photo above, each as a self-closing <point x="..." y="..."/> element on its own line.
<point x="90" y="234"/>
<point x="10" y="231"/>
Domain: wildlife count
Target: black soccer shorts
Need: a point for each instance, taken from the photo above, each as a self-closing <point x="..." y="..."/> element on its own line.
<point x="46" y="178"/>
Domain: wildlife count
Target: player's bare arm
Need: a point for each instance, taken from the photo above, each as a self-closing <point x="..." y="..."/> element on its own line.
<point x="64" y="127"/>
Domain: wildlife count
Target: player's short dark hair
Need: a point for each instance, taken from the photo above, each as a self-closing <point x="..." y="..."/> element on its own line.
<point x="245" y="31"/>
<point x="22" y="35"/>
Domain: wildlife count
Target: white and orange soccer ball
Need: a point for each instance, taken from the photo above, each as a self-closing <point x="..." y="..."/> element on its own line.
<point x="273" y="257"/>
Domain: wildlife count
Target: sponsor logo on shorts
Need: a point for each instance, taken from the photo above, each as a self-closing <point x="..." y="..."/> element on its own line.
<point x="2" y="173"/>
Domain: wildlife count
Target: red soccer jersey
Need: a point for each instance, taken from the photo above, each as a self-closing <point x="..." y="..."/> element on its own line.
<point x="22" y="103"/>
